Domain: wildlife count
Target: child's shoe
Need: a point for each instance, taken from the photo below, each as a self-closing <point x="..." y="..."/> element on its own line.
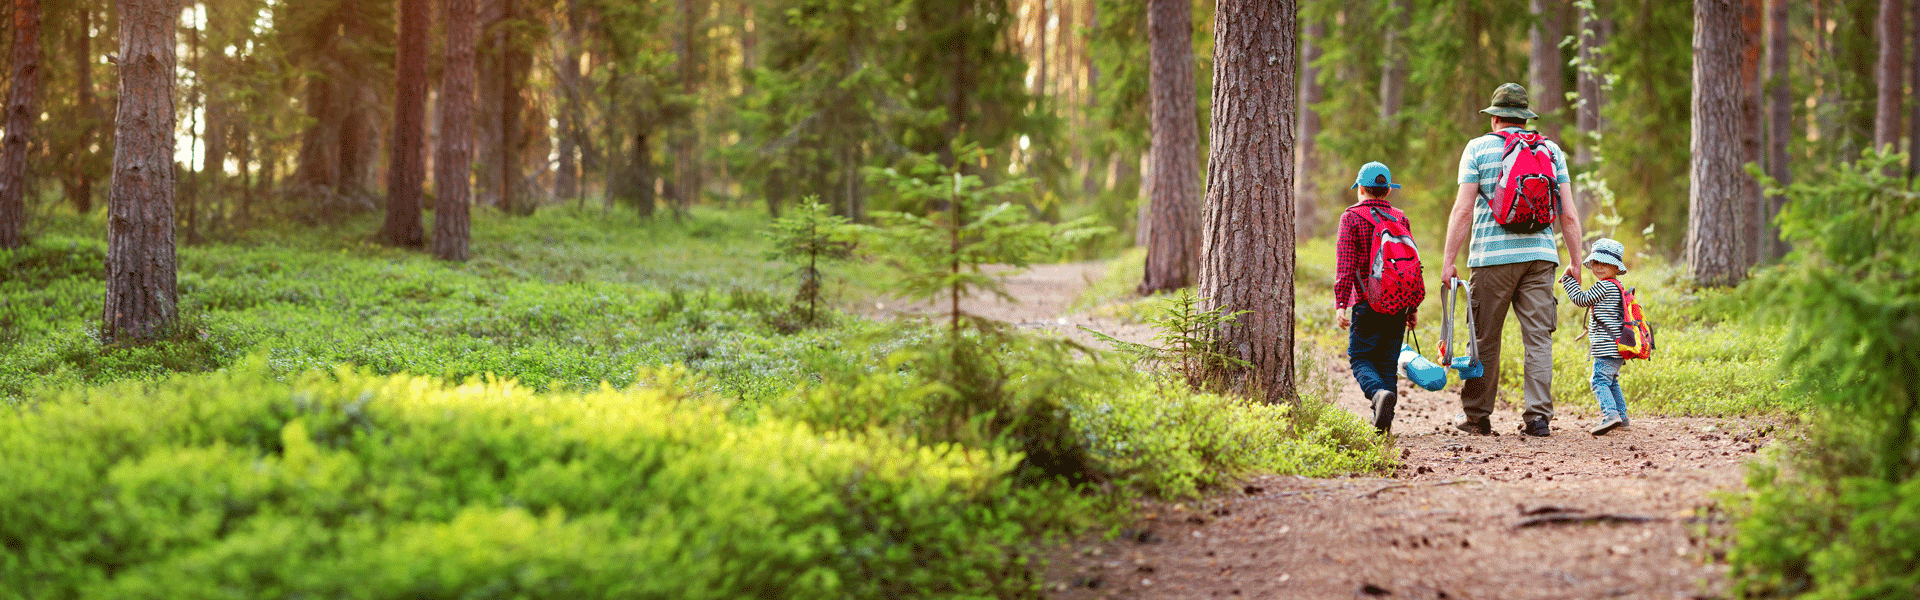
<point x="1610" y="423"/>
<point x="1383" y="402"/>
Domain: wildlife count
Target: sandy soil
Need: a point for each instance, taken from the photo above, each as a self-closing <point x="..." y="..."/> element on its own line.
<point x="1507" y="516"/>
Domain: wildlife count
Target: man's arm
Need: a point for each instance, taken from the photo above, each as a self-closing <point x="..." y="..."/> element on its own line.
<point x="1459" y="230"/>
<point x="1569" y="226"/>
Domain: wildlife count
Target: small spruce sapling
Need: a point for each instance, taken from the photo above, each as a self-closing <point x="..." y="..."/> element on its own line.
<point x="994" y="386"/>
<point x="808" y="237"/>
<point x="1185" y="333"/>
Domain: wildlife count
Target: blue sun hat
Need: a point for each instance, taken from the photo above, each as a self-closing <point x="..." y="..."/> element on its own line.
<point x="1374" y="174"/>
<point x="1606" y="250"/>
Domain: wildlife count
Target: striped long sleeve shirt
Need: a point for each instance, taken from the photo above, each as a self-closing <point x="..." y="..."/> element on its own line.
<point x="1603" y="322"/>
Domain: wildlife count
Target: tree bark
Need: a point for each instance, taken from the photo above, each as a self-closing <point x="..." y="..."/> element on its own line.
<point x="566" y="182"/>
<point x="1592" y="98"/>
<point x="1546" y="72"/>
<point x="490" y="93"/>
<point x="1172" y="256"/>
<point x="80" y="189"/>
<point x="20" y="113"/>
<point x="1913" y="79"/>
<point x="1779" y="101"/>
<point x="141" y="294"/>
<point x="1723" y="197"/>
<point x="1393" y="68"/>
<point x="513" y="132"/>
<point x="453" y="159"/>
<point x="1306" y="159"/>
<point x="406" y="171"/>
<point x="1247" y="247"/>
<point x="1890" y="77"/>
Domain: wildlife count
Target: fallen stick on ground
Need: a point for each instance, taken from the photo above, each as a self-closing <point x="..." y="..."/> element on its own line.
<point x="1581" y="517"/>
<point x="1376" y="493"/>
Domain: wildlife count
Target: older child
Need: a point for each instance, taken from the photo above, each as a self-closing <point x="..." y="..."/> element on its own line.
<point x="1373" y="343"/>
<point x="1603" y="325"/>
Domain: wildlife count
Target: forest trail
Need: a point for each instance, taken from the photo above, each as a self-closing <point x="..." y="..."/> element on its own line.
<point x="1508" y="516"/>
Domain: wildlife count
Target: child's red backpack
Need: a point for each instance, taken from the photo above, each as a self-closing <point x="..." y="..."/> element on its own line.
<point x="1525" y="199"/>
<point x="1391" y="282"/>
<point x="1636" y="334"/>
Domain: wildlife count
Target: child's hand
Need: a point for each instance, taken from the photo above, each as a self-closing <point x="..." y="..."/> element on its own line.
<point x="1344" y="321"/>
<point x="1413" y="319"/>
<point x="1573" y="272"/>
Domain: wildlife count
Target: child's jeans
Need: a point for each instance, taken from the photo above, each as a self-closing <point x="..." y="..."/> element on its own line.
<point x="1606" y="387"/>
<point x="1373" y="348"/>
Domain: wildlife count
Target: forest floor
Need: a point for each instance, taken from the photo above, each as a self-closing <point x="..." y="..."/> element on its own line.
<point x="1626" y="515"/>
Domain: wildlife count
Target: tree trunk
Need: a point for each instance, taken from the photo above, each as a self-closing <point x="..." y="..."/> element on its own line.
<point x="641" y="170"/>
<point x="1913" y="72"/>
<point x="1172" y="256"/>
<point x="453" y="160"/>
<point x="1591" y="97"/>
<point x="141" y="294"/>
<point x="20" y="113"/>
<point x="513" y="132"/>
<point x="80" y="191"/>
<point x="1890" y="77"/>
<point x="1779" y="101"/>
<point x="406" y="171"/>
<point x="684" y="132"/>
<point x="1247" y="261"/>
<point x="1306" y="158"/>
<point x="1546" y="71"/>
<point x="1393" y="67"/>
<point x="1723" y="197"/>
<point x="566" y="183"/>
<point x="489" y="141"/>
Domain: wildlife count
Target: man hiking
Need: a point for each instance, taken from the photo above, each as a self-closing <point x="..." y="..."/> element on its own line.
<point x="1513" y="255"/>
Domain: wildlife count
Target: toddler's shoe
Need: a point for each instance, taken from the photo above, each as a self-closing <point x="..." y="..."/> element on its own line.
<point x="1607" y="424"/>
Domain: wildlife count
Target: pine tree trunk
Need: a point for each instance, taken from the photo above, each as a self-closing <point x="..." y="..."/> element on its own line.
<point x="566" y="182"/>
<point x="1247" y="247"/>
<point x="513" y="133"/>
<point x="1172" y="256"/>
<point x="1591" y="98"/>
<point x="141" y="294"/>
<point x="20" y="113"/>
<point x="1779" y="122"/>
<point x="453" y="159"/>
<point x="1306" y="157"/>
<point x="1724" y="198"/>
<point x="1913" y="80"/>
<point x="1546" y="71"/>
<point x="406" y="171"/>
<point x="1393" y="68"/>
<point x="489" y="139"/>
<point x="1890" y="77"/>
<point x="87" y="109"/>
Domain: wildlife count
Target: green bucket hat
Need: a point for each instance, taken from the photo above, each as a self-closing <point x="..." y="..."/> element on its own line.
<point x="1510" y="100"/>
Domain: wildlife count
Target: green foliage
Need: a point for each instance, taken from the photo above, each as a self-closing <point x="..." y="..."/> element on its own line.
<point x="944" y="253"/>
<point x="808" y="237"/>
<point x="1836" y="517"/>
<point x="350" y="484"/>
<point x="1187" y="337"/>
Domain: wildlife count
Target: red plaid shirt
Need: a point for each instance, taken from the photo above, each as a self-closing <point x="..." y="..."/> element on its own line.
<point x="1354" y="249"/>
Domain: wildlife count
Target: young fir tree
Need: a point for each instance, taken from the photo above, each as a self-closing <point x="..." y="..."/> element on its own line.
<point x="808" y="237"/>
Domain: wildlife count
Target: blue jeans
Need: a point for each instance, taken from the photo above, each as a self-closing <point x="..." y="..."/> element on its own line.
<point x="1373" y="348"/>
<point x="1606" y="387"/>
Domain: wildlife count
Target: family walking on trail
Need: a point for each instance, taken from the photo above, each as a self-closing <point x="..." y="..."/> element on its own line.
<point x="1513" y="198"/>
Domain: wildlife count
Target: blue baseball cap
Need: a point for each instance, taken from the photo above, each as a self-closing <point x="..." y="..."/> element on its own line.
<point x="1374" y="174"/>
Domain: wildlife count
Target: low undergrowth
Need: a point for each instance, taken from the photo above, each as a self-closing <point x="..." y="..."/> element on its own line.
<point x="592" y="407"/>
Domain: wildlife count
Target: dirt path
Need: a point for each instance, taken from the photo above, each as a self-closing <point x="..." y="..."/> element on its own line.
<point x="1508" y="516"/>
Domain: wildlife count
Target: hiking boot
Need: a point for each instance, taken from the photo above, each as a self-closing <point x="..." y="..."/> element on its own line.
<point x="1383" y="402"/>
<point x="1607" y="424"/>
<point x="1536" y="427"/>
<point x="1480" y="426"/>
<point x="1625" y="422"/>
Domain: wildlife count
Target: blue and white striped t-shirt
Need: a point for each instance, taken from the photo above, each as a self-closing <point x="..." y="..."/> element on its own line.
<point x="1604" y="323"/>
<point x="1493" y="244"/>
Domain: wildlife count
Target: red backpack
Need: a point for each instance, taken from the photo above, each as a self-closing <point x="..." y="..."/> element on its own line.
<point x="1636" y="334"/>
<point x="1525" y="199"/>
<point x="1391" y="280"/>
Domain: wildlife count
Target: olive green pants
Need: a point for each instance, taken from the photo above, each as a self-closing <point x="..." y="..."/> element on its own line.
<point x="1527" y="288"/>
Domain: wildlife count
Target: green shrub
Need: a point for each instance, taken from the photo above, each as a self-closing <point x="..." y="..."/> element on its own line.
<point x="351" y="484"/>
<point x="1839" y="515"/>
